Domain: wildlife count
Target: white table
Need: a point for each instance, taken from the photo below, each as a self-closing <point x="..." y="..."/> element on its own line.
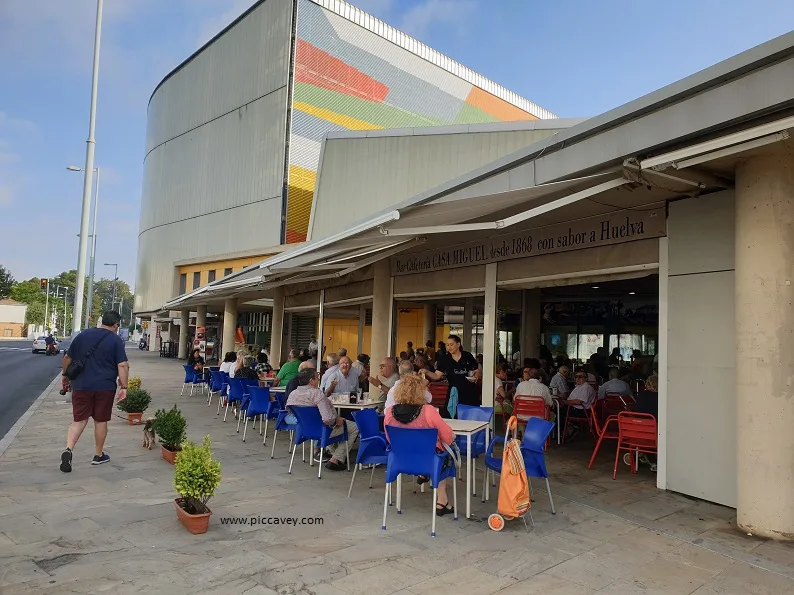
<point x="277" y="389"/>
<point x="342" y="401"/>
<point x="464" y="427"/>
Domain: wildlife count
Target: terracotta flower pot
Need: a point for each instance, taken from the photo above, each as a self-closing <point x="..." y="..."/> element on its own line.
<point x="168" y="455"/>
<point x="134" y="419"/>
<point x="195" y="523"/>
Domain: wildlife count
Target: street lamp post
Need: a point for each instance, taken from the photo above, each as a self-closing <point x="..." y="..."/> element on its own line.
<point x="77" y="319"/>
<point x="90" y="301"/>
<point x="115" y="278"/>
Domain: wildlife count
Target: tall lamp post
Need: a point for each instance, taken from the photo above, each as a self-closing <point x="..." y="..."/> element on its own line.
<point x="115" y="278"/>
<point x="90" y="301"/>
<point x="77" y="318"/>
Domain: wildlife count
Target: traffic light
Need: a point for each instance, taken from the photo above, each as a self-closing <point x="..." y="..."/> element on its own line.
<point x="44" y="284"/>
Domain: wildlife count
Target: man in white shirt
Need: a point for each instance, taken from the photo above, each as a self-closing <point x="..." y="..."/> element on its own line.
<point x="406" y="368"/>
<point x="614" y="385"/>
<point x="560" y="382"/>
<point x="333" y="366"/>
<point x="387" y="378"/>
<point x="344" y="380"/>
<point x="534" y="388"/>
<point x="580" y="400"/>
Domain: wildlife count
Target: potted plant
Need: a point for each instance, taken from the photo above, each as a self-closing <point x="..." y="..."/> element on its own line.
<point x="134" y="383"/>
<point x="135" y="404"/>
<point x="170" y="429"/>
<point x="196" y="478"/>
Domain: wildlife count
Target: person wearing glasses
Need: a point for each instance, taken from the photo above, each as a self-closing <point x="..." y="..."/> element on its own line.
<point x="386" y="379"/>
<point x="580" y="400"/>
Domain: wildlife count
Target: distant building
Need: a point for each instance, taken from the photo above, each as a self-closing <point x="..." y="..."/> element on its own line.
<point x="12" y="318"/>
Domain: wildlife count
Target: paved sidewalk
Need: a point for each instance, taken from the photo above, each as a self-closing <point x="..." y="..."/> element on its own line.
<point x="113" y="528"/>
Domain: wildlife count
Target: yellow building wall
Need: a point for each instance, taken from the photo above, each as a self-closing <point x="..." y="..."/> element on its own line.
<point x="218" y="266"/>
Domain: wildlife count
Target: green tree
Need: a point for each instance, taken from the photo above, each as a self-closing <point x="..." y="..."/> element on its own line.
<point x="6" y="282"/>
<point x="35" y="314"/>
<point x="28" y="292"/>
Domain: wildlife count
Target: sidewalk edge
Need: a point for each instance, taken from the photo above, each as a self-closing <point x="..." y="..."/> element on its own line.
<point x="8" y="439"/>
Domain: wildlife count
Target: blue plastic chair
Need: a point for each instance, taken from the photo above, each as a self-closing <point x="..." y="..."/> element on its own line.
<point x="372" y="444"/>
<point x="283" y="426"/>
<point x="216" y="386"/>
<point x="248" y="383"/>
<point x="478" y="445"/>
<point x="312" y="428"/>
<point x="532" y="449"/>
<point x="412" y="451"/>
<point x="258" y="404"/>
<point x="237" y="393"/>
<point x="224" y="390"/>
<point x="192" y="379"/>
<point x="272" y="412"/>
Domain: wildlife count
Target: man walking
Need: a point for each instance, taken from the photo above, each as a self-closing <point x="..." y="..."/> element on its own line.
<point x="101" y="352"/>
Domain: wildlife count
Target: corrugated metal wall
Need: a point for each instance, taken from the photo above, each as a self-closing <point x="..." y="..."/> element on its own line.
<point x="376" y="173"/>
<point x="215" y="150"/>
<point x="349" y="78"/>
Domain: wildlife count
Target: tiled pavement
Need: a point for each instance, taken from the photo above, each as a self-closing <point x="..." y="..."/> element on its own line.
<point x="113" y="528"/>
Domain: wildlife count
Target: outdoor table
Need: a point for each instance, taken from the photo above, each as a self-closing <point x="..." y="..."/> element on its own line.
<point x="557" y="405"/>
<point x="464" y="427"/>
<point x="277" y="389"/>
<point x="266" y="381"/>
<point x="342" y="401"/>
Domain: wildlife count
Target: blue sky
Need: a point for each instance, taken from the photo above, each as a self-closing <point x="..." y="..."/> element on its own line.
<point x="563" y="55"/>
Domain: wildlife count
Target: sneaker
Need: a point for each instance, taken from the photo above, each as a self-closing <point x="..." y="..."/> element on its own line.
<point x="66" y="460"/>
<point x="324" y="458"/>
<point x="98" y="460"/>
<point x="337" y="466"/>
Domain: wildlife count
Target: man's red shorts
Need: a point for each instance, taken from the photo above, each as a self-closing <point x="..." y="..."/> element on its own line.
<point x="93" y="403"/>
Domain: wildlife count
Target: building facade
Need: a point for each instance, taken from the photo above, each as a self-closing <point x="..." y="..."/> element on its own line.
<point x="234" y="133"/>
<point x="12" y="318"/>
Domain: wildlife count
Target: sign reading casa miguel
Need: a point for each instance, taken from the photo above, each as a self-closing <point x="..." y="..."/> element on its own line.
<point x="613" y="228"/>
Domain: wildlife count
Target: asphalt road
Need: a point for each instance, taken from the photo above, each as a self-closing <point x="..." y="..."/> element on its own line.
<point x="23" y="376"/>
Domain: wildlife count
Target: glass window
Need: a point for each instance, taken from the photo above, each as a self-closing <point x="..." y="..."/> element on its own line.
<point x="196" y="279"/>
<point x="210" y="276"/>
<point x="227" y="272"/>
<point x="588" y="345"/>
<point x="182" y="283"/>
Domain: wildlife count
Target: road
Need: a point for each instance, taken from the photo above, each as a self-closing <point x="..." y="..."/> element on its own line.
<point x="23" y="376"/>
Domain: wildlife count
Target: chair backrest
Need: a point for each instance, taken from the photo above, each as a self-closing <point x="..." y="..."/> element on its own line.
<point x="282" y="400"/>
<point x="525" y="407"/>
<point x="613" y="403"/>
<point x="367" y="422"/>
<point x="260" y="400"/>
<point x="190" y="373"/>
<point x="637" y="428"/>
<point x="413" y="451"/>
<point x="438" y="390"/>
<point x="216" y="381"/>
<point x="474" y="413"/>
<point x="535" y="434"/>
<point x="310" y="423"/>
<point x="236" y="389"/>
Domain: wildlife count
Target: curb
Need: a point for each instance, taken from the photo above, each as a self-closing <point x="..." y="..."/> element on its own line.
<point x="6" y="441"/>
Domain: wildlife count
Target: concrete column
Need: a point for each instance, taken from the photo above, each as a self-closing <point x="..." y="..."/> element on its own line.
<point x="184" y="327"/>
<point x="530" y="324"/>
<point x="382" y="302"/>
<point x="229" y="323"/>
<point x="362" y="322"/>
<point x="201" y="316"/>
<point x="429" y="326"/>
<point x="277" y="332"/>
<point x="765" y="344"/>
<point x="489" y="336"/>
<point x="468" y="314"/>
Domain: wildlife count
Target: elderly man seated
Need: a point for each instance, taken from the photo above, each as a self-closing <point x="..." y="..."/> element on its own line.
<point x="344" y="380"/>
<point x="386" y="379"/>
<point x="580" y="400"/>
<point x="293" y="384"/>
<point x="614" y="385"/>
<point x="309" y="395"/>
<point x="405" y="369"/>
<point x="333" y="365"/>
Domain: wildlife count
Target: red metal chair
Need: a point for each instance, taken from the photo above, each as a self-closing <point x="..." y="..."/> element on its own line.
<point x="582" y="421"/>
<point x="614" y="403"/>
<point x="438" y="390"/>
<point x="637" y="433"/>
<point x="525" y="407"/>
<point x="603" y="432"/>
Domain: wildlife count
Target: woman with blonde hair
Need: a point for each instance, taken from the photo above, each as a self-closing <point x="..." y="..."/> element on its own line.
<point x="240" y="359"/>
<point x="412" y="411"/>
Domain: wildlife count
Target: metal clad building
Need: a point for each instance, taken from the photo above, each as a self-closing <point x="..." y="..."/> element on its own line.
<point x="234" y="134"/>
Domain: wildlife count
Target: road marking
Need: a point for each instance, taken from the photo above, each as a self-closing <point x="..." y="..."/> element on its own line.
<point x="14" y="348"/>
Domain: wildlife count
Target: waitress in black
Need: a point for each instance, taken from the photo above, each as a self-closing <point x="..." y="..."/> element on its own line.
<point x="461" y="370"/>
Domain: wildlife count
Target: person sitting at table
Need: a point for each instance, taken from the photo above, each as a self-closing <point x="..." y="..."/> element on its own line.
<point x="307" y="394"/>
<point x="410" y="350"/>
<point x="614" y="385"/>
<point x="406" y="368"/>
<point x="386" y="379"/>
<point x="293" y="384"/>
<point x="430" y="352"/>
<point x="246" y="371"/>
<point x="262" y="367"/>
<point x="342" y="352"/>
<point x="289" y="370"/>
<point x="195" y="360"/>
<point x="560" y="382"/>
<point x="229" y="361"/>
<point x="411" y="411"/>
<point x="533" y="387"/>
<point x="579" y="401"/>
<point x="461" y="372"/>
<point x="360" y="365"/>
<point x="503" y="404"/>
<point x="344" y="380"/>
<point x="421" y="363"/>
<point x="648" y="399"/>
<point x="238" y="363"/>
<point x="332" y="360"/>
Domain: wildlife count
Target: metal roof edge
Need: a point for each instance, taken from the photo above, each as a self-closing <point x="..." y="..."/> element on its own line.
<point x="512" y="126"/>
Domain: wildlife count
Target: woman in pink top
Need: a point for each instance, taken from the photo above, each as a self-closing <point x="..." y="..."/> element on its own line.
<point x="412" y="411"/>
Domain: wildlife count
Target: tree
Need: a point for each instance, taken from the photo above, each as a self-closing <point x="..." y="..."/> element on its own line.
<point x="35" y="314"/>
<point x="6" y="282"/>
<point x="28" y="292"/>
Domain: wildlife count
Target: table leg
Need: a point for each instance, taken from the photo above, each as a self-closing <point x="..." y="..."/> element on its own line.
<point x="468" y="475"/>
<point x="559" y="430"/>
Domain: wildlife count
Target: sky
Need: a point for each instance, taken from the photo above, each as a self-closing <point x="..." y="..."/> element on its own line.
<point x="565" y="56"/>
